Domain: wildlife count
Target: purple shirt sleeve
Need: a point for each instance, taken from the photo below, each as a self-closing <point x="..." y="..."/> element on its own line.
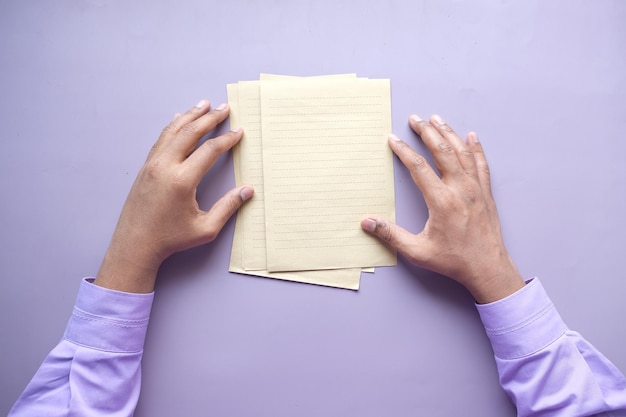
<point x="96" y="368"/>
<point x="545" y="368"/>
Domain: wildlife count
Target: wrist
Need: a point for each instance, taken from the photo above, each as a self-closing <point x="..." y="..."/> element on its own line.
<point x="128" y="269"/>
<point x="499" y="282"/>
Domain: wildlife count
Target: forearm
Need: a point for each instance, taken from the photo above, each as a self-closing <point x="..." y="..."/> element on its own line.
<point x="546" y="369"/>
<point x="122" y="270"/>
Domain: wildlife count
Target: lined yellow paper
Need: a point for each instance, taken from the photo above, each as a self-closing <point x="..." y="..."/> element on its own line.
<point x="252" y="159"/>
<point x="326" y="166"/>
<point x="250" y="243"/>
<point x="251" y="215"/>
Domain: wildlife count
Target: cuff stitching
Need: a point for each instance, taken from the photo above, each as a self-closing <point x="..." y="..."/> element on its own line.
<point x="83" y="315"/>
<point x="510" y="329"/>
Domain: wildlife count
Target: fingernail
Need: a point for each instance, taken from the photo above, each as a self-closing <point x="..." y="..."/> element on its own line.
<point x="415" y="118"/>
<point x="473" y="137"/>
<point x="246" y="193"/>
<point x="394" y="137"/>
<point x="438" y="119"/>
<point x="201" y="104"/>
<point x="236" y="129"/>
<point x="221" y="107"/>
<point x="176" y="116"/>
<point x="369" y="225"/>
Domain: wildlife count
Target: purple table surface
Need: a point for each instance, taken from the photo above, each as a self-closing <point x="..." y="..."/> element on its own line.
<point x="88" y="85"/>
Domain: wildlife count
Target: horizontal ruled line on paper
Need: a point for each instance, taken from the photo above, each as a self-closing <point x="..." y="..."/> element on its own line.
<point x="326" y="98"/>
<point x="321" y="130"/>
<point x="335" y="206"/>
<point x="328" y="245"/>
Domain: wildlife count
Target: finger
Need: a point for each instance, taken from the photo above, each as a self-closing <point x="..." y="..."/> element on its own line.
<point x="171" y="130"/>
<point x="483" y="172"/>
<point x="214" y="220"/>
<point x="422" y="173"/>
<point x="391" y="235"/>
<point x="190" y="134"/>
<point x="444" y="154"/>
<point x="203" y="158"/>
<point x="463" y="152"/>
<point x="482" y="167"/>
<point x="197" y="111"/>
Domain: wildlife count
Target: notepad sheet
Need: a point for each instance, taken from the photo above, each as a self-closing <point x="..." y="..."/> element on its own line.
<point x="318" y="193"/>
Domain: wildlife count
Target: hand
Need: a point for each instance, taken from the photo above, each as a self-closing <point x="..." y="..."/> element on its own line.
<point x="462" y="237"/>
<point x="161" y="215"/>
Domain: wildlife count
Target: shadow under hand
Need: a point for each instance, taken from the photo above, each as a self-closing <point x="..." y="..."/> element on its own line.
<point x="444" y="289"/>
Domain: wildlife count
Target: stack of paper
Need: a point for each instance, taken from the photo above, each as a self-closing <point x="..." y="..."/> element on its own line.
<point x="315" y="150"/>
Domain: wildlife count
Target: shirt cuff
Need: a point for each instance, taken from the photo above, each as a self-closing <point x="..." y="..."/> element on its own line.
<point x="109" y="320"/>
<point x="523" y="323"/>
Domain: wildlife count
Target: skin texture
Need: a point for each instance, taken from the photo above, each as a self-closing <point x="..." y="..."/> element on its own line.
<point x="462" y="238"/>
<point x="161" y="214"/>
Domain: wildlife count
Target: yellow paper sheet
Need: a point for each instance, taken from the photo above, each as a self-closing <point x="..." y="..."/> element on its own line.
<point x="236" y="255"/>
<point x="326" y="166"/>
<point x="339" y="278"/>
<point x="343" y="278"/>
<point x="251" y="158"/>
<point x="252" y="174"/>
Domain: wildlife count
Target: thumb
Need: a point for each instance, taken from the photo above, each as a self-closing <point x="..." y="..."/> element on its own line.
<point x="390" y="233"/>
<point x="215" y="219"/>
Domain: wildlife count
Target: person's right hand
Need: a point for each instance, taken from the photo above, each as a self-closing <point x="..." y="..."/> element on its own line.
<point x="462" y="237"/>
<point x="161" y="214"/>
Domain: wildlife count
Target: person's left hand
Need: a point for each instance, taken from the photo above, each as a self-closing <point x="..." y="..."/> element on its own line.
<point x="462" y="237"/>
<point x="161" y="215"/>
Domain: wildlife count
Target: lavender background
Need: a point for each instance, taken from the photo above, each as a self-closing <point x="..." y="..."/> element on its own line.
<point x="86" y="87"/>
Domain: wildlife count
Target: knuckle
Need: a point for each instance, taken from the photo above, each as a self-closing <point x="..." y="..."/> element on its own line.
<point x="446" y="128"/>
<point x="179" y="183"/>
<point x="215" y="145"/>
<point x="418" y="163"/>
<point x="444" y="147"/>
<point x="176" y="181"/>
<point x="466" y="152"/>
<point x="170" y="128"/>
<point x="384" y="232"/>
<point x="212" y="145"/>
<point x="447" y="202"/>
<point x="190" y="129"/>
<point x="234" y="202"/>
<point x="154" y="169"/>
